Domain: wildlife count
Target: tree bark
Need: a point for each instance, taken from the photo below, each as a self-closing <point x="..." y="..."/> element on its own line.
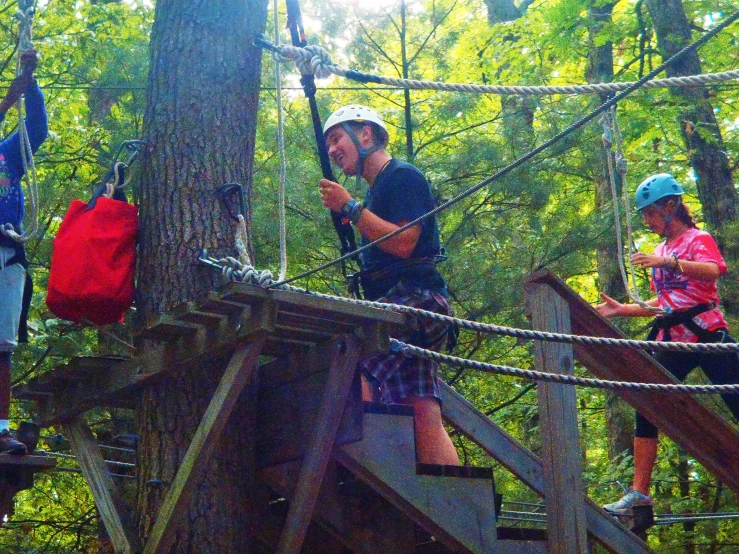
<point x="500" y="11"/>
<point x="599" y="69"/>
<point x="698" y="126"/>
<point x="200" y="125"/>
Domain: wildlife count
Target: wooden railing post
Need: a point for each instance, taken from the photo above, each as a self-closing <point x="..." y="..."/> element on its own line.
<point x="563" y="488"/>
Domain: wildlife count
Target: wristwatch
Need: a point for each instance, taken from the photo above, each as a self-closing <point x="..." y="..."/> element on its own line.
<point x="351" y="211"/>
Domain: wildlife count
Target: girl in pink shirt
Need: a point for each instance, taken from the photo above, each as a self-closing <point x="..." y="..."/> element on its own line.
<point x="685" y="268"/>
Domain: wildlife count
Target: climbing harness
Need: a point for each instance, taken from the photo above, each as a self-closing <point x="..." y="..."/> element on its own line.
<point x="25" y="15"/>
<point x="307" y="79"/>
<point x="318" y="61"/>
<point x="529" y="155"/>
<point x="616" y="162"/>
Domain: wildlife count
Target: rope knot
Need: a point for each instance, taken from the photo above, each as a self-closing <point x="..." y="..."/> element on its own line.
<point x="315" y="60"/>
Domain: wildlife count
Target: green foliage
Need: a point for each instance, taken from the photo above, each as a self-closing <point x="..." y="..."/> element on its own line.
<point x="93" y="70"/>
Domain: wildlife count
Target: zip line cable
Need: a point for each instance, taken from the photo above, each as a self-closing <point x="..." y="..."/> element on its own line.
<point x="528" y="156"/>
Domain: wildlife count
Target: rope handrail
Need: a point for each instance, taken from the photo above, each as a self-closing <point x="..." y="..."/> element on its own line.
<point x="235" y="271"/>
<point x="315" y="59"/>
<point x="415" y="351"/>
<point x="526" y="157"/>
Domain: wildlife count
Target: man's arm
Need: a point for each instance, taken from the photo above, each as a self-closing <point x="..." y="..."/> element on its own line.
<point x="374" y="227"/>
<point x="371" y="226"/>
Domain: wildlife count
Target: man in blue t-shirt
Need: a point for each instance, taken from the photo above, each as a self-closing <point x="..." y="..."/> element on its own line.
<point x="12" y="255"/>
<point x="400" y="270"/>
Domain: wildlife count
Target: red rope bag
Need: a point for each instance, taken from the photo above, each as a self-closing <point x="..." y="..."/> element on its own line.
<point x="93" y="263"/>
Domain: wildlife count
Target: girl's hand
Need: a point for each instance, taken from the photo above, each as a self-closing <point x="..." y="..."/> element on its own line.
<point x="609" y="307"/>
<point x="649" y="260"/>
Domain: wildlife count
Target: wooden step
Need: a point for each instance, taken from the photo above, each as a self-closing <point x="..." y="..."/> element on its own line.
<point x="16" y="474"/>
<point x="458" y="511"/>
<point x="364" y="522"/>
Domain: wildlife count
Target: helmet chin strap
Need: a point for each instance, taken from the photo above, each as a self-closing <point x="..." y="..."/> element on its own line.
<point x="361" y="150"/>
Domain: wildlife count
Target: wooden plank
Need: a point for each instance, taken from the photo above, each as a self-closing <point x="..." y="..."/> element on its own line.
<point x="237" y="376"/>
<point x="167" y="331"/>
<point x="364" y="522"/>
<point x="288" y="413"/>
<point x="308" y="322"/>
<point x="527" y="467"/>
<point x="563" y="487"/>
<point x="35" y="462"/>
<point x="707" y="436"/>
<point x="306" y="304"/>
<point x="522" y="547"/>
<point x="341" y="374"/>
<point x="459" y="512"/>
<point x="74" y="398"/>
<point x="110" y="505"/>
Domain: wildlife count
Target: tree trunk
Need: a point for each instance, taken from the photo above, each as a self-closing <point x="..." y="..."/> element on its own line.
<point x="599" y="69"/>
<point x="500" y="11"/>
<point x="698" y="127"/>
<point x="200" y="125"/>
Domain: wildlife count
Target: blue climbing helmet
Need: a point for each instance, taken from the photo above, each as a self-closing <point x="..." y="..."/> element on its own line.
<point x="655" y="187"/>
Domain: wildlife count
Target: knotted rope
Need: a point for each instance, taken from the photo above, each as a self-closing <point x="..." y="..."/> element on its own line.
<point x="315" y="59"/>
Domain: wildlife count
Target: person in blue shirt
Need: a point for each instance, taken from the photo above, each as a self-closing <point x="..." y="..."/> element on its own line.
<point x="13" y="265"/>
<point x="400" y="270"/>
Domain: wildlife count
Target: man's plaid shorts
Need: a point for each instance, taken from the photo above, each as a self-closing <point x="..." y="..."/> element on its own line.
<point x="398" y="376"/>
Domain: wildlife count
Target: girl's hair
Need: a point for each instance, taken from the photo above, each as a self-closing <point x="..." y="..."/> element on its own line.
<point x="682" y="212"/>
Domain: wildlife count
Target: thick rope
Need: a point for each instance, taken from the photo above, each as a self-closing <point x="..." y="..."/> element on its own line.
<point x="315" y="59"/>
<point x="233" y="270"/>
<point x="526" y="157"/>
<point x="25" y="43"/>
<point x="416" y="352"/>
<point x="608" y="120"/>
<point x="281" y="149"/>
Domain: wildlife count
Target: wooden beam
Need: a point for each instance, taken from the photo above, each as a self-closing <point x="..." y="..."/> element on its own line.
<point x="527" y="467"/>
<point x="237" y="376"/>
<point x="341" y="374"/>
<point x="563" y="488"/>
<point x="707" y="436"/>
<point x="307" y="305"/>
<point x="112" y="510"/>
<point x="73" y="398"/>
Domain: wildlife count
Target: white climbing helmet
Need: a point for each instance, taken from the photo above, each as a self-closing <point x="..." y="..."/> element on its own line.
<point x="353" y="112"/>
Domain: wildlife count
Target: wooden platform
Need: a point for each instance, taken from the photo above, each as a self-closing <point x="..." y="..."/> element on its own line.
<point x="215" y="325"/>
